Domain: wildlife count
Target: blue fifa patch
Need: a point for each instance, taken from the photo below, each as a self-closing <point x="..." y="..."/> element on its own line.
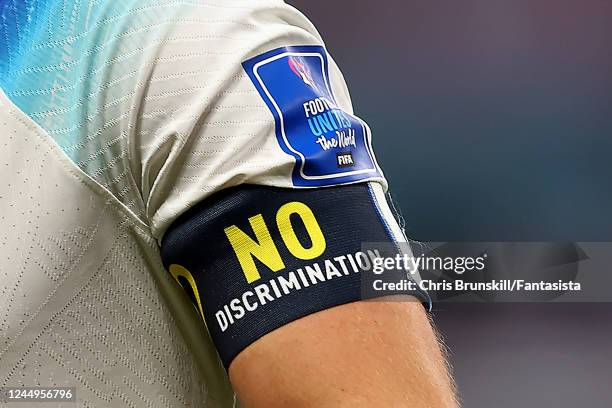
<point x="330" y="145"/>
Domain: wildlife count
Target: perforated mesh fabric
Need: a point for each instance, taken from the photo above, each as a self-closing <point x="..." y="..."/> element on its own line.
<point x="149" y="97"/>
<point x="117" y="117"/>
<point x="79" y="301"/>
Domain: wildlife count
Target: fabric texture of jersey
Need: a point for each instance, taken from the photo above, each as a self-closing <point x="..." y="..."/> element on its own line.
<point x="149" y="98"/>
<point x="116" y="118"/>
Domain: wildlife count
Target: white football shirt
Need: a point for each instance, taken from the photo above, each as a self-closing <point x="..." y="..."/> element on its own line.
<point x="115" y="118"/>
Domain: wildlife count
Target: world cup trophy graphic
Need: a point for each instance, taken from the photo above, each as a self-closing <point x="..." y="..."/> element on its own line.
<point x="301" y="69"/>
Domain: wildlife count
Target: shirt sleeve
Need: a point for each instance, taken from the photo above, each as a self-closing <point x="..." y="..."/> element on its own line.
<point x="258" y="180"/>
<point x="243" y="94"/>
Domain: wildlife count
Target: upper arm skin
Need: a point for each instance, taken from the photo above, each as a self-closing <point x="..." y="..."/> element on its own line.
<point x="360" y="354"/>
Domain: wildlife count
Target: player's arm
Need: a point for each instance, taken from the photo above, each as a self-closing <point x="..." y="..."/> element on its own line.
<point x="362" y="354"/>
<point x="278" y="276"/>
<point x="261" y="186"/>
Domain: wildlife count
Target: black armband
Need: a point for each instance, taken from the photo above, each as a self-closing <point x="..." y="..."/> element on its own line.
<point x="256" y="258"/>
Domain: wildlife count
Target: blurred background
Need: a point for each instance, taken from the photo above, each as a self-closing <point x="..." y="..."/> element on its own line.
<point x="492" y="120"/>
